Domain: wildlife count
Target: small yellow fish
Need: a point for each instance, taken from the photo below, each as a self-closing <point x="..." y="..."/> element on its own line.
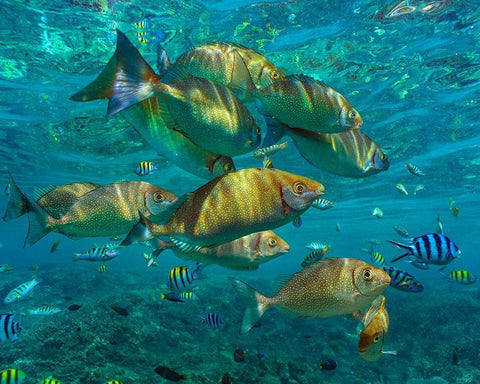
<point x="400" y="188"/>
<point x="102" y="268"/>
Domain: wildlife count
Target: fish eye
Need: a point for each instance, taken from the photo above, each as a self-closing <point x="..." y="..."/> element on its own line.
<point x="275" y="75"/>
<point x="376" y="339"/>
<point x="272" y="242"/>
<point x="368" y="274"/>
<point x="384" y="157"/>
<point x="258" y="132"/>
<point x="298" y="188"/>
<point x="228" y="167"/>
<point x="352" y="115"/>
<point x="158" y="197"/>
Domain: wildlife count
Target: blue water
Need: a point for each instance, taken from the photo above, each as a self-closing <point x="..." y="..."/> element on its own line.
<point x="415" y="81"/>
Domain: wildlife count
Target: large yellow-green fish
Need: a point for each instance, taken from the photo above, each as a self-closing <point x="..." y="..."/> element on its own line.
<point x="230" y="64"/>
<point x="245" y="253"/>
<point x="207" y="113"/>
<point x="350" y="153"/>
<point x="329" y="287"/>
<point x="105" y="211"/>
<point x="231" y="206"/>
<point x="376" y="322"/>
<point x="302" y="102"/>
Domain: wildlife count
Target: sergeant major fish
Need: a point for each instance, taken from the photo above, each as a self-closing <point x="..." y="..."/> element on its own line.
<point x="330" y="287"/>
<point x="20" y="292"/>
<point x="12" y="376"/>
<point x="268" y="151"/>
<point x="97" y="254"/>
<point x="145" y="168"/>
<point x="318" y="251"/>
<point x="181" y="279"/>
<point x="6" y="268"/>
<point x="213" y="320"/>
<point x="461" y="277"/>
<point x="45" y="310"/>
<point x="209" y="216"/>
<point x="9" y="328"/>
<point x="414" y="170"/>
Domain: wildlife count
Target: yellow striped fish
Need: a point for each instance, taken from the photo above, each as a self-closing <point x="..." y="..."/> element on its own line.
<point x="462" y="277"/>
<point x="377" y="259"/>
<point x="113" y="382"/>
<point x="145" y="168"/>
<point x="12" y="376"/>
<point x="180" y="278"/>
<point x="268" y="151"/>
<point x="102" y="268"/>
<point x="302" y="102"/>
<point x="209" y="114"/>
<point x="141" y="37"/>
<point x="267" y="163"/>
<point x="51" y="381"/>
<point x="209" y="216"/>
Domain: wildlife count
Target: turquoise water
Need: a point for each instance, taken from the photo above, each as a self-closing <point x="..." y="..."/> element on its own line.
<point x="414" y="79"/>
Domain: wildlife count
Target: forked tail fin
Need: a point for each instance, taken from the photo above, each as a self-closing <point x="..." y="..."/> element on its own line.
<point x="142" y="231"/>
<point x="255" y="303"/>
<point x="17" y="203"/>
<point x="403" y="246"/>
<point x="126" y="80"/>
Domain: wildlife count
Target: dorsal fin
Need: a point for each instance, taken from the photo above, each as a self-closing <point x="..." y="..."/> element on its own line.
<point x="280" y="281"/>
<point x="39" y="192"/>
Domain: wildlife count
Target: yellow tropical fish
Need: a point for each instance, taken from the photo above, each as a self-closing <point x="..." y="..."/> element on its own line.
<point x="245" y="253"/>
<point x="401" y="188"/>
<point x="350" y="153"/>
<point x="105" y="211"/>
<point x="232" y="65"/>
<point x="372" y="338"/>
<point x="302" y="102"/>
<point x="207" y="113"/>
<point x="329" y="287"/>
<point x="231" y="206"/>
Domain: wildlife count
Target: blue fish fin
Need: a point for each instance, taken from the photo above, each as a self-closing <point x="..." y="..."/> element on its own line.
<point x="399" y="245"/>
<point x="17" y="202"/>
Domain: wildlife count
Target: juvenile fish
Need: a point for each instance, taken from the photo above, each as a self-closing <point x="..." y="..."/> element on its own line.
<point x="213" y="320"/>
<point x="268" y="151"/>
<point x="269" y="198"/>
<point x="400" y="188"/>
<point x="45" y="310"/>
<point x="414" y="170"/>
<point x="432" y="248"/>
<point x="400" y="231"/>
<point x="169" y="374"/>
<point x="50" y="381"/>
<point x="20" y="292"/>
<point x="9" y="328"/>
<point x="96" y="254"/>
<point x="145" y="168"/>
<point x="179" y="297"/>
<point x="403" y="281"/>
<point x="330" y="287"/>
<point x="418" y="188"/>
<point x="462" y="277"/>
<point x="6" y="268"/>
<point x="54" y="246"/>
<point x="378" y="213"/>
<point x="377" y="259"/>
<point x="318" y="251"/>
<point x="102" y="268"/>
<point x="322" y="204"/>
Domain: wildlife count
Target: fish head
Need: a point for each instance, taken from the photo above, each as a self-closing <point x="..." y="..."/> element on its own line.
<point x="271" y="245"/>
<point x="299" y="192"/>
<point x="268" y="75"/>
<point x="370" y="343"/>
<point x="349" y="117"/>
<point x="222" y="165"/>
<point x="378" y="161"/>
<point x="157" y="200"/>
<point x="369" y="280"/>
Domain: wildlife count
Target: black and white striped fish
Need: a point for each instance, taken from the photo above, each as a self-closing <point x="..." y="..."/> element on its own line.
<point x="213" y="320"/>
<point x="322" y="204"/>
<point x="318" y="251"/>
<point x="9" y="327"/>
<point x="181" y="279"/>
<point x="145" y="168"/>
<point x="432" y="248"/>
<point x="413" y="169"/>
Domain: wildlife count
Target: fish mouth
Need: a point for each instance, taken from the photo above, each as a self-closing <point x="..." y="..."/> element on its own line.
<point x="320" y="191"/>
<point x="285" y="250"/>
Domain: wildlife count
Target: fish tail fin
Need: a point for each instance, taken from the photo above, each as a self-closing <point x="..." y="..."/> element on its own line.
<point x="163" y="61"/>
<point x="17" y="203"/>
<point x="126" y="80"/>
<point x="38" y="225"/>
<point x="255" y="303"/>
<point x="142" y="231"/>
<point x="275" y="131"/>
<point x="403" y="246"/>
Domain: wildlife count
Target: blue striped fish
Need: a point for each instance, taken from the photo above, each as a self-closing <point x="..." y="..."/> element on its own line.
<point x="213" y="320"/>
<point x="21" y="291"/>
<point x="402" y="280"/>
<point x="432" y="248"/>
<point x="9" y="327"/>
<point x="12" y="376"/>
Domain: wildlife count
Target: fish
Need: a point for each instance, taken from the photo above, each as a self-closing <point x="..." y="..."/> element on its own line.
<point x="20" y="292"/>
<point x="432" y="248"/>
<point x="455" y="211"/>
<point x="439" y="225"/>
<point x="229" y="64"/>
<point x="169" y="374"/>
<point x="461" y="277"/>
<point x="373" y="241"/>
<point x="377" y="259"/>
<point x="245" y="253"/>
<point x="302" y="102"/>
<point x="151" y="258"/>
<point x="6" y="268"/>
<point x="51" y="381"/>
<point x="12" y="376"/>
<point x="179" y="297"/>
<point x="213" y="320"/>
<point x="403" y="281"/>
<point x="400" y="231"/>
<point x="322" y="204"/>
<point x="328" y="365"/>
<point x="105" y="211"/>
<point x="45" y="310"/>
<point x="113" y="382"/>
<point x="401" y="188"/>
<point x="418" y="264"/>
<point x="378" y="213"/>
<point x="318" y="251"/>
<point x="9" y="328"/>
<point x="414" y="170"/>
<point x="54" y="246"/>
<point x="372" y="338"/>
<point x="208" y="216"/>
<point x="267" y="163"/>
<point x="338" y="227"/>
<point x="207" y="113"/>
<point x="74" y="307"/>
<point x="350" y="153"/>
<point x="226" y="379"/>
<point x="451" y="203"/>
<point x="455" y="356"/>
<point x="96" y="254"/>
<point x="102" y="268"/>
<point x="180" y="278"/>
<point x="145" y="168"/>
<point x="418" y="188"/>
<point x="268" y="151"/>
<point x="329" y="287"/>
